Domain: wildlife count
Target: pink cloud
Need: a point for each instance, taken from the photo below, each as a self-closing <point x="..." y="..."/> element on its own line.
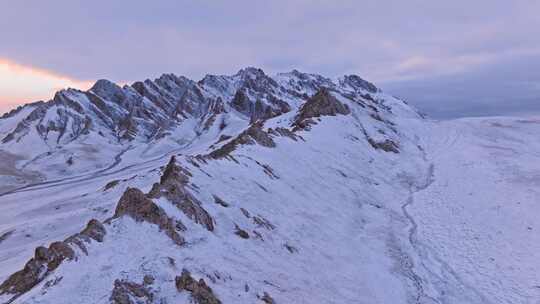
<point x="21" y="84"/>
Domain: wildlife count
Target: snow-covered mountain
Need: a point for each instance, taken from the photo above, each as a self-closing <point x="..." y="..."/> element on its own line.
<point x="83" y="129"/>
<point x="251" y="188"/>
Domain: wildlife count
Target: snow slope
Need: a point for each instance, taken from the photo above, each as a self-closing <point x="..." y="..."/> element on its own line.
<point x="477" y="219"/>
<point x="349" y="196"/>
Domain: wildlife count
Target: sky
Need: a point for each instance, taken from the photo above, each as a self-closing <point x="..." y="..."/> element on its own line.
<point x="450" y="59"/>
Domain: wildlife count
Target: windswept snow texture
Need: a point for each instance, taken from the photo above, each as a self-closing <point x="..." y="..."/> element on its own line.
<point x="292" y="188"/>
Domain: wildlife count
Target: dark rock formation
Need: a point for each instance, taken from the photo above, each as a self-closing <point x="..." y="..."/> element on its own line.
<point x="387" y="145"/>
<point x="94" y="230"/>
<point x="111" y="185"/>
<point x="358" y="83"/>
<point x="174" y="173"/>
<point x="200" y="292"/>
<point x="245" y="212"/>
<point x="241" y="102"/>
<point x="241" y="233"/>
<point x="148" y="280"/>
<point x="263" y="222"/>
<point x="127" y="128"/>
<point x="220" y="201"/>
<point x="321" y="104"/>
<point x="262" y="138"/>
<point x="138" y="206"/>
<point x="124" y="291"/>
<point x="290" y="248"/>
<point x="255" y="93"/>
<point x="172" y="185"/>
<point x="303" y="82"/>
<point x="266" y="298"/>
<point x="46" y="260"/>
<point x="253" y="134"/>
<point x="109" y="91"/>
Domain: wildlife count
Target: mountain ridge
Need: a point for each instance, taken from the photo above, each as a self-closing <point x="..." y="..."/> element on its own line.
<point x="217" y="192"/>
<point x="219" y="122"/>
<point x="152" y="111"/>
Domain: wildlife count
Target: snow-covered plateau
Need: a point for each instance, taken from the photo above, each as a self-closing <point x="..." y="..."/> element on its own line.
<point x="256" y="188"/>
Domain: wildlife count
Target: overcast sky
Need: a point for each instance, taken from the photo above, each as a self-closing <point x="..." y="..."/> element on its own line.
<point x="451" y="58"/>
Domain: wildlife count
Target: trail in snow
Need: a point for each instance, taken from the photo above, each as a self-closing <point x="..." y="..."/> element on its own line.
<point x="440" y="273"/>
<point x="100" y="173"/>
<point x="57" y="182"/>
<point x="422" y="296"/>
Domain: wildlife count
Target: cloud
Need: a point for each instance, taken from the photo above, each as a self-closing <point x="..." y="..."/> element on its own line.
<point x="507" y="86"/>
<point x="19" y="84"/>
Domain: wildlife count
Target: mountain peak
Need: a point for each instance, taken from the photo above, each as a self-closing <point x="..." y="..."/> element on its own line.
<point x="103" y="83"/>
<point x="108" y="90"/>
<point x="251" y="72"/>
<point x="358" y="83"/>
<point x="174" y="78"/>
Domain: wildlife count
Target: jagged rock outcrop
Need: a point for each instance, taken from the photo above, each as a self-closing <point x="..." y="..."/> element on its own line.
<point x="240" y="102"/>
<point x="127" y="128"/>
<point x="267" y="299"/>
<point x="256" y="133"/>
<point x="241" y="232"/>
<point x="321" y="104"/>
<point x="302" y="85"/>
<point x="358" y="83"/>
<point x="126" y="292"/>
<point x="47" y="259"/>
<point x="263" y="222"/>
<point x="200" y="291"/>
<point x="215" y="107"/>
<point x="251" y="92"/>
<point x="220" y="201"/>
<point x="94" y="230"/>
<point x="135" y="204"/>
<point x="172" y="185"/>
<point x="253" y="134"/>
<point x="111" y="185"/>
<point x="109" y="90"/>
<point x="44" y="261"/>
<point x="387" y="145"/>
